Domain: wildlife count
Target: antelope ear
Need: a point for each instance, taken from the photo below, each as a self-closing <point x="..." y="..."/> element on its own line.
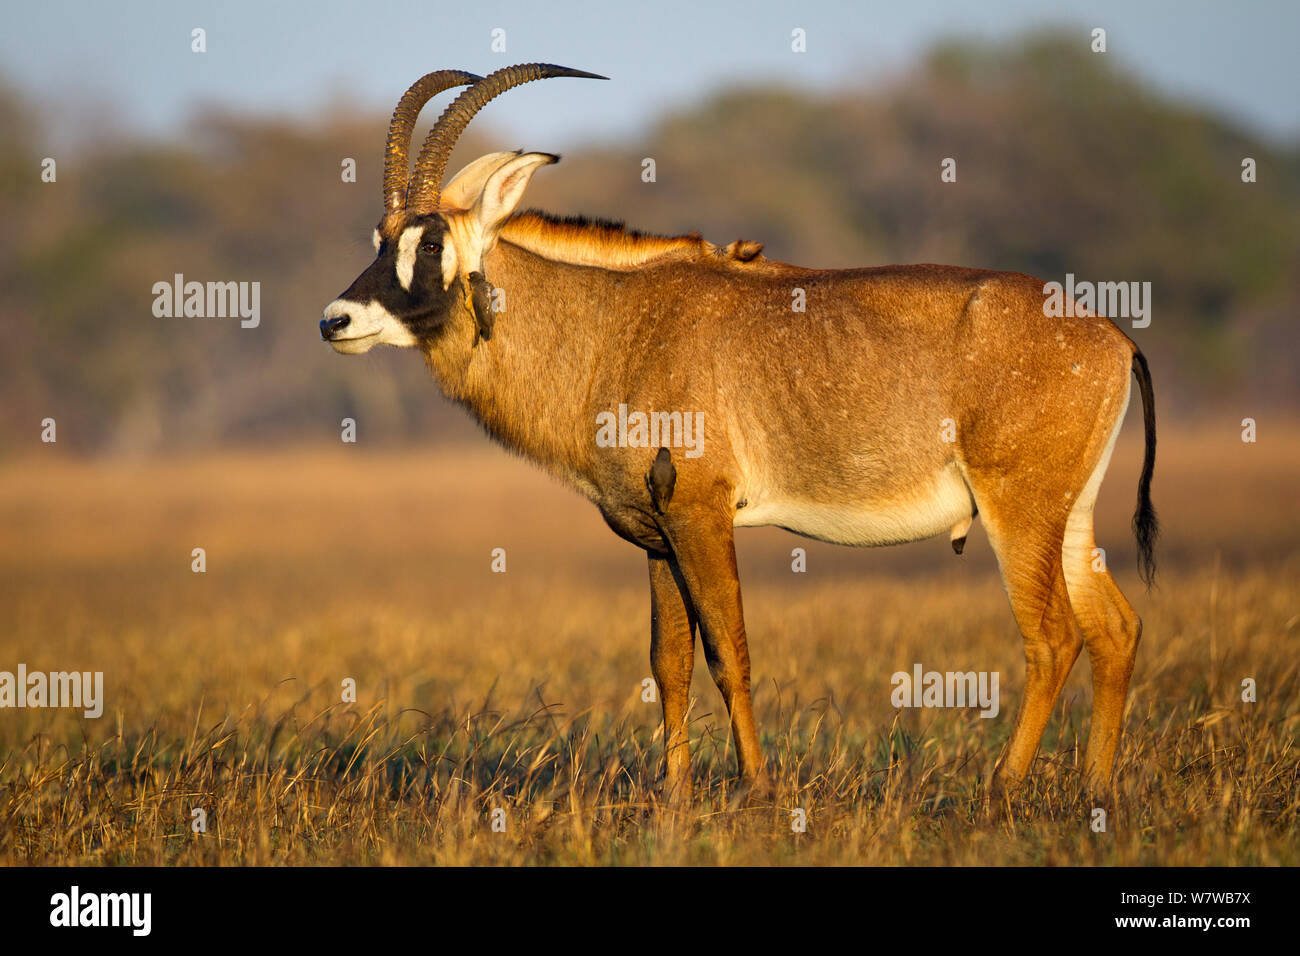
<point x="466" y="186"/>
<point x="501" y="192"/>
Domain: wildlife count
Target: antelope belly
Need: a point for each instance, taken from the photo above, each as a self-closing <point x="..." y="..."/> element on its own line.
<point x="871" y="522"/>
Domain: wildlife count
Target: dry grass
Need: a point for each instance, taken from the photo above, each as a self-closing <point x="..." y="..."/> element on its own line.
<point x="522" y="690"/>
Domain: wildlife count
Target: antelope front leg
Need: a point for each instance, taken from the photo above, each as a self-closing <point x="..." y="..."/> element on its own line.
<point x="672" y="658"/>
<point x="705" y="550"/>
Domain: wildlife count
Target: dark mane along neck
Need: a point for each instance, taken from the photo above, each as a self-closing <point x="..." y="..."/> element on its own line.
<point x="579" y="240"/>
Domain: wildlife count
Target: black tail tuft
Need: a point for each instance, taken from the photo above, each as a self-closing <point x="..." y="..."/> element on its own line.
<point x="1145" y="525"/>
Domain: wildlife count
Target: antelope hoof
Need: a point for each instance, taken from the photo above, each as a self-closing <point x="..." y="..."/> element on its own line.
<point x="754" y="791"/>
<point x="1003" y="786"/>
<point x="675" y="793"/>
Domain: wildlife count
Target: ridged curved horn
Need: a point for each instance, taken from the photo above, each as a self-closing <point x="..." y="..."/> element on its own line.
<point x="425" y="189"/>
<point x="397" y="148"/>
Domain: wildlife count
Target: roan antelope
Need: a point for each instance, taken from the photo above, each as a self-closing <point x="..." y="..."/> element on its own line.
<point x="827" y="422"/>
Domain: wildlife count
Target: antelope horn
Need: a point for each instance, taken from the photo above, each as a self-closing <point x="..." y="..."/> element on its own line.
<point x="425" y="190"/>
<point x="396" y="166"/>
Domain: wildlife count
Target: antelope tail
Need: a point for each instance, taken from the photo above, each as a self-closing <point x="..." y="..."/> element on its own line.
<point x="1146" y="528"/>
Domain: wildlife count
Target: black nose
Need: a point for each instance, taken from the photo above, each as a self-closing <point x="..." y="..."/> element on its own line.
<point x="337" y="324"/>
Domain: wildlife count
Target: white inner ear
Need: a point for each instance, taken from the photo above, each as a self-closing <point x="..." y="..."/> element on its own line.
<point x="463" y="189"/>
<point x="407" y="246"/>
<point x="502" y="191"/>
<point x="375" y="240"/>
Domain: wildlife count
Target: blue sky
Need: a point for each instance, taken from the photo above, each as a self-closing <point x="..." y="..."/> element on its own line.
<point x="128" y="62"/>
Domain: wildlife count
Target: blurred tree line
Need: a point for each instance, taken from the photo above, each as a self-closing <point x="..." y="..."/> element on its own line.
<point x="1064" y="164"/>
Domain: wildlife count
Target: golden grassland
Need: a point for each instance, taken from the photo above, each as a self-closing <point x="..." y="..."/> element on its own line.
<point x="523" y="691"/>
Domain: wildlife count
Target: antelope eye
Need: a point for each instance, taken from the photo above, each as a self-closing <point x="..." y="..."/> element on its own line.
<point x="431" y="248"/>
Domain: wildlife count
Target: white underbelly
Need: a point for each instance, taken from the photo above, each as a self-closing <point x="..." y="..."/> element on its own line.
<point x="912" y="516"/>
